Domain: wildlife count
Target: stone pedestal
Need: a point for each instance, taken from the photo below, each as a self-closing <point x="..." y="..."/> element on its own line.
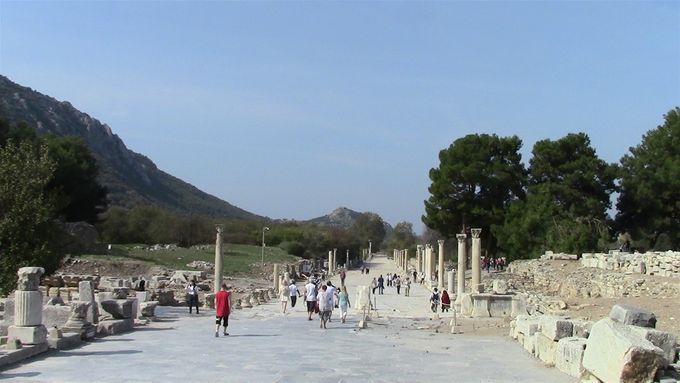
<point x="28" y="327"/>
<point x="476" y="257"/>
<point x="77" y="321"/>
<point x="86" y="294"/>
<point x="461" y="266"/>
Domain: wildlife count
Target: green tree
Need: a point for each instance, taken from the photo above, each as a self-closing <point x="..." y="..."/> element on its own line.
<point x="403" y="236"/>
<point x="369" y="227"/>
<point x="80" y="196"/>
<point x="565" y="208"/>
<point x="649" y="202"/>
<point x="478" y="176"/>
<point x="29" y="235"/>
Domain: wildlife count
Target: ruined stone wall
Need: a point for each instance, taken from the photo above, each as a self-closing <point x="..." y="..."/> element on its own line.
<point x="664" y="264"/>
<point x="562" y="279"/>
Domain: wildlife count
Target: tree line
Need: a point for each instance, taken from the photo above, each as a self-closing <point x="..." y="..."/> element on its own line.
<point x="562" y="199"/>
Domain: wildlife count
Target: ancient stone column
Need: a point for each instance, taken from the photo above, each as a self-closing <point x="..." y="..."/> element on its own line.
<point x="405" y="259"/>
<point x="450" y="277"/>
<point x="28" y="327"/>
<point x="275" y="278"/>
<point x="330" y="261"/>
<point x="440" y="275"/>
<point x="335" y="259"/>
<point x="419" y="259"/>
<point x="433" y="261"/>
<point x="476" y="259"/>
<point x="461" y="266"/>
<point x="218" y="259"/>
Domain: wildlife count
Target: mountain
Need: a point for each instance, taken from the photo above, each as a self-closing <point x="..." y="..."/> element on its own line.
<point x="342" y="217"/>
<point x="131" y="178"/>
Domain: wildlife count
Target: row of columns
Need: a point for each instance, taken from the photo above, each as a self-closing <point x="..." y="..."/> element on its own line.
<point x="425" y="262"/>
<point x="400" y="257"/>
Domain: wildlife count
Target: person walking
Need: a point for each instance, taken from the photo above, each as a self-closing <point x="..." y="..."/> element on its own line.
<point x="222" y="310"/>
<point x="343" y="302"/>
<point x="324" y="307"/>
<point x="407" y="287"/>
<point x="434" y="300"/>
<point x="192" y="295"/>
<point x="446" y="301"/>
<point x="331" y="294"/>
<point x="374" y="285"/>
<point x="294" y="293"/>
<point x="415" y="276"/>
<point x="310" y="297"/>
<point x="342" y="277"/>
<point x="397" y="284"/>
<point x="422" y="277"/>
<point x="284" y="294"/>
<point x="381" y="284"/>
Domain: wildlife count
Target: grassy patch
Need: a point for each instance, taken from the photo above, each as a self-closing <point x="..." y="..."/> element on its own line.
<point x="237" y="258"/>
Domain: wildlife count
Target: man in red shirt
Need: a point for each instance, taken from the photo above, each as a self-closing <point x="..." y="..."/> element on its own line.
<point x="222" y="309"/>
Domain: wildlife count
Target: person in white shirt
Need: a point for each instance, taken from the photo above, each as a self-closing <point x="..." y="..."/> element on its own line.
<point x="310" y="297"/>
<point x="192" y="295"/>
<point x="284" y="292"/>
<point x="331" y="292"/>
<point x="324" y="306"/>
<point x="294" y="293"/>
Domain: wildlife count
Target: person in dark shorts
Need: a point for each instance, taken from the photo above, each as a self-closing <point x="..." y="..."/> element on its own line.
<point x="222" y="310"/>
<point x="310" y="298"/>
<point x="294" y="293"/>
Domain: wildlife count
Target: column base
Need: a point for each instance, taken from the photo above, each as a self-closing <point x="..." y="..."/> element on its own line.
<point x="28" y="334"/>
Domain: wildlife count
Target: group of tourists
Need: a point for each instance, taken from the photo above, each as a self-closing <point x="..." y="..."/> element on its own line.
<point x="322" y="298"/>
<point x="392" y="280"/>
<point x="436" y="299"/>
<point x="489" y="263"/>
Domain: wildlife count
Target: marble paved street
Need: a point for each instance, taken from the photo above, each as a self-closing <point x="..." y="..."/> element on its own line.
<point x="265" y="346"/>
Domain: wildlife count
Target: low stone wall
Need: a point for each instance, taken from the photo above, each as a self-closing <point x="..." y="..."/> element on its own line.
<point x="548" y="277"/>
<point x="664" y="264"/>
<point x="624" y="347"/>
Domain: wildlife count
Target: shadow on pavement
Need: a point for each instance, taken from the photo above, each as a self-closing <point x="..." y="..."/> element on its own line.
<point x="95" y="353"/>
<point x="233" y="336"/>
<point x="19" y="375"/>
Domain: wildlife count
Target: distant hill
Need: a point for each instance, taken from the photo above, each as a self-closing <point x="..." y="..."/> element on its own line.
<point x="131" y="178"/>
<point x="342" y="217"/>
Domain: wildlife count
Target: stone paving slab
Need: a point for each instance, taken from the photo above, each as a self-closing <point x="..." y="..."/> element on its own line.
<point x="266" y="346"/>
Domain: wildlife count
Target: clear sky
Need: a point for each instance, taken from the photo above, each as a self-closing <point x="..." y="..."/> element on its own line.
<point x="291" y="109"/>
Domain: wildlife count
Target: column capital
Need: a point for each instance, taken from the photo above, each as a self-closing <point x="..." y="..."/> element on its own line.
<point x="476" y="232"/>
<point x="441" y="242"/>
<point x="419" y="247"/>
<point x="461" y="237"/>
<point x="219" y="228"/>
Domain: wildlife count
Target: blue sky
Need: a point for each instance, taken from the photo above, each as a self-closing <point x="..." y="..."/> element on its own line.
<point x="290" y="109"/>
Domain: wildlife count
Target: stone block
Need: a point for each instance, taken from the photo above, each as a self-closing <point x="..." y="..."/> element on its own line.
<point x="500" y="286"/>
<point x="616" y="353"/>
<point x="28" y="334"/>
<point x="545" y="349"/>
<point x="114" y="326"/>
<point x="632" y="315"/>
<point x="65" y="342"/>
<point x="555" y="327"/>
<point x="118" y="308"/>
<point x="569" y="356"/>
<point x="480" y="305"/>
<point x="209" y="301"/>
<point x="519" y="305"/>
<point x="581" y="328"/>
<point x="527" y="324"/>
<point x="529" y="343"/>
<point x="148" y="309"/>
<point x="120" y="292"/>
<point x="500" y="306"/>
<point x="661" y="339"/>
<point x="478" y="288"/>
<point x="55" y="315"/>
<point x="466" y="304"/>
